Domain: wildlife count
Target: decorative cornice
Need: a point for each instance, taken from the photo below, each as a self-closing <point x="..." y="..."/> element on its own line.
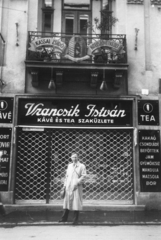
<point x="156" y="2"/>
<point x="135" y="1"/>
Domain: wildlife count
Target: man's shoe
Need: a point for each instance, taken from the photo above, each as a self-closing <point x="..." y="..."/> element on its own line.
<point x="62" y="220"/>
<point x="75" y="223"/>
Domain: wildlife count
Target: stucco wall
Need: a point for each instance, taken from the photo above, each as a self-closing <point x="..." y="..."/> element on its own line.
<point x="155" y="23"/>
<point x="135" y="16"/>
<point x="136" y="58"/>
<point x="33" y="15"/>
<point x="14" y="69"/>
<point x="57" y="16"/>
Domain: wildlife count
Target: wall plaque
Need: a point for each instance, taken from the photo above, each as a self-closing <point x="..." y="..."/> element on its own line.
<point x="5" y="147"/>
<point x="150" y="161"/>
<point x="148" y="112"/>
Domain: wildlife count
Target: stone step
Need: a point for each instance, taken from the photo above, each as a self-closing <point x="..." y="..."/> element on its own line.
<point x="58" y="207"/>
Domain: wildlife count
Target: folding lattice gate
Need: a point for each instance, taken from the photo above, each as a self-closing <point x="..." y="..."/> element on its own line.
<point x="43" y="156"/>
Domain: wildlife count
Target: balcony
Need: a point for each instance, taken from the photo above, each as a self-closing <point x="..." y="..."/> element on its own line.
<point x="77" y="63"/>
<point x="59" y="49"/>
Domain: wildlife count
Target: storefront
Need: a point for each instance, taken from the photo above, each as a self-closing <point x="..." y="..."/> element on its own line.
<point x="50" y="129"/>
<point x="118" y="139"/>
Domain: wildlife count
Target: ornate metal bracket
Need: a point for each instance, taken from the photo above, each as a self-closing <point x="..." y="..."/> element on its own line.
<point x="136" y="38"/>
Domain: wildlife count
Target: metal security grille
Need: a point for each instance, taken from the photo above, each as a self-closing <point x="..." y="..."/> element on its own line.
<point x="43" y="156"/>
<point x="107" y="155"/>
<point x="31" y="170"/>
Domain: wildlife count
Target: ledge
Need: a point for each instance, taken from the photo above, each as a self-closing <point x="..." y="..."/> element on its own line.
<point x="135" y="1"/>
<point x="86" y="208"/>
<point x="38" y="64"/>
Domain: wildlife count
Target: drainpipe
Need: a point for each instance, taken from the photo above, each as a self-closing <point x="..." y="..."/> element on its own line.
<point x="2" y="83"/>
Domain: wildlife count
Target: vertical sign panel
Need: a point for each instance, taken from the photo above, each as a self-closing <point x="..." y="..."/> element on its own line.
<point x="150" y="162"/>
<point x="5" y="147"/>
<point x="148" y="112"/>
<point x="6" y="110"/>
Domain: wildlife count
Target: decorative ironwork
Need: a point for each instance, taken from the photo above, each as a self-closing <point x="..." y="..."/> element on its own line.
<point x="156" y="2"/>
<point x="90" y="49"/>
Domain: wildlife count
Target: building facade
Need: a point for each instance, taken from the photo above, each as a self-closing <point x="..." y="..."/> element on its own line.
<point x="80" y="76"/>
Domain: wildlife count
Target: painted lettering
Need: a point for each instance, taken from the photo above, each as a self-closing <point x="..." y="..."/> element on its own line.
<point x="4" y="144"/>
<point x="147" y="118"/>
<point x="38" y="110"/>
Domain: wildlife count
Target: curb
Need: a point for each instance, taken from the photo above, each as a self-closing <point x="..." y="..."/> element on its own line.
<point x="10" y="225"/>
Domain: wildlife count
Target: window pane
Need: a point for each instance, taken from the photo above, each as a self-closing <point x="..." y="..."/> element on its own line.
<point x="47" y="22"/>
<point x="69" y="24"/>
<point x="104" y="3"/>
<point x="84" y="19"/>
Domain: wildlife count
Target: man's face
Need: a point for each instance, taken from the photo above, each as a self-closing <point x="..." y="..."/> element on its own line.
<point x="74" y="158"/>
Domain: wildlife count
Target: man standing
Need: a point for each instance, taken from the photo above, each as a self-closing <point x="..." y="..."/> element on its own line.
<point x="75" y="175"/>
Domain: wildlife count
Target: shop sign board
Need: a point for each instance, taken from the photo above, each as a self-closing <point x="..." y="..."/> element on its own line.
<point x="5" y="147"/>
<point x="148" y="112"/>
<point x="6" y="110"/>
<point x="150" y="160"/>
<point x="50" y="112"/>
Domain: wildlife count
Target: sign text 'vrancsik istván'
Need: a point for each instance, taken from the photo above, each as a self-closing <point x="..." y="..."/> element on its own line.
<point x="94" y="112"/>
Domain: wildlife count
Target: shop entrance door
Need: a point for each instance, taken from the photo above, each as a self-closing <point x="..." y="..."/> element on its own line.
<point x="43" y="156"/>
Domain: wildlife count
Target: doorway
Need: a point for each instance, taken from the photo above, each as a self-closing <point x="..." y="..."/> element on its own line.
<point x="75" y="22"/>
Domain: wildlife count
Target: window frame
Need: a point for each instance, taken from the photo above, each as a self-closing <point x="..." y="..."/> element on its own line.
<point x="76" y="13"/>
<point x="47" y="10"/>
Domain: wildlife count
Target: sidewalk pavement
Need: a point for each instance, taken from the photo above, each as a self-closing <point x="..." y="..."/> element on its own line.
<point x="28" y="217"/>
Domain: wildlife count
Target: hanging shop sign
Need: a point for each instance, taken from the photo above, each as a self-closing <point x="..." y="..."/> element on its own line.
<point x="150" y="160"/>
<point x="75" y="112"/>
<point x="148" y="112"/>
<point x="6" y="110"/>
<point x="5" y="146"/>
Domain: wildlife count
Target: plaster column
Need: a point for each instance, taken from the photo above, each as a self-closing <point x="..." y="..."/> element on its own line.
<point x="148" y="64"/>
<point x="0" y="15"/>
<point x="4" y="16"/>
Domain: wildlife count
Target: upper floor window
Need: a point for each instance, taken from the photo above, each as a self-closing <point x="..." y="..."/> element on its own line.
<point x="48" y="3"/>
<point x="76" y="15"/>
<point x="47" y="15"/>
<point x="107" y="19"/>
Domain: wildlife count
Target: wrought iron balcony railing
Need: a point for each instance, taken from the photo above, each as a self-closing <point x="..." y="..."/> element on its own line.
<point x="61" y="48"/>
